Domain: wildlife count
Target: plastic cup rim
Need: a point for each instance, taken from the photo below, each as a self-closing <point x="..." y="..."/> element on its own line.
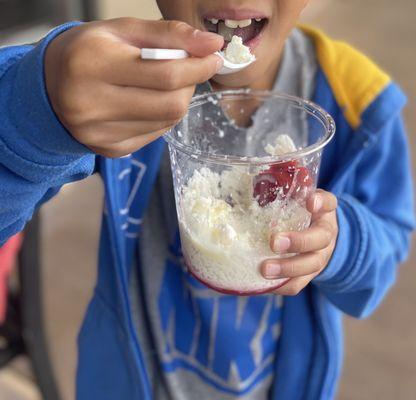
<point x="324" y="118"/>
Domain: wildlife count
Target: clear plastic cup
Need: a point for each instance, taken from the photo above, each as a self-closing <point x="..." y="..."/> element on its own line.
<point x="234" y="188"/>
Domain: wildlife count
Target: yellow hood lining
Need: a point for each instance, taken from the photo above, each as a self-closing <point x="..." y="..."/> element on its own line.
<point x="355" y="80"/>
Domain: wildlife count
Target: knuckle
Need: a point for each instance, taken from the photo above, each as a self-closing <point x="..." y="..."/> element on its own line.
<point x="76" y="54"/>
<point x="85" y="54"/>
<point x="180" y="27"/>
<point x="290" y="269"/>
<point x="128" y="25"/>
<point x="301" y="242"/>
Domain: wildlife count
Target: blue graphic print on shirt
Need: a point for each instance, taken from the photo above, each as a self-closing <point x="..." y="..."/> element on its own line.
<point x="228" y="341"/>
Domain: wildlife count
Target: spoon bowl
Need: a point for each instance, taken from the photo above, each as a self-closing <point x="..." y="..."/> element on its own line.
<point x="229" y="67"/>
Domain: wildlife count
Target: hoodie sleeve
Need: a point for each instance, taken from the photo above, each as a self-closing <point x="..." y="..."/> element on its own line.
<point x="375" y="224"/>
<point x="37" y="154"/>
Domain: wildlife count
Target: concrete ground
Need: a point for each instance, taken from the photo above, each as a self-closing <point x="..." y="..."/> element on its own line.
<point x="380" y="359"/>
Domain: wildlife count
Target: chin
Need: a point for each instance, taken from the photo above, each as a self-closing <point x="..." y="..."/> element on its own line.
<point x="238" y="80"/>
<point x="244" y="78"/>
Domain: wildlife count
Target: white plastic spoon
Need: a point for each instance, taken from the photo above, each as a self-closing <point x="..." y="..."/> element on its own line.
<point x="176" y="54"/>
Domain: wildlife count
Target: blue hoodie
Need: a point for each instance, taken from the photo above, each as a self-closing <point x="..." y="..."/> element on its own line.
<point x="366" y="166"/>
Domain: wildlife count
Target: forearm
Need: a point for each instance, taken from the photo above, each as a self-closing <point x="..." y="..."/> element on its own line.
<point x="37" y="154"/>
<point x="368" y="251"/>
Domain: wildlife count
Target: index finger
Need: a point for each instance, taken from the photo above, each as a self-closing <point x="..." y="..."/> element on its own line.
<point x="168" y="35"/>
<point x="124" y="67"/>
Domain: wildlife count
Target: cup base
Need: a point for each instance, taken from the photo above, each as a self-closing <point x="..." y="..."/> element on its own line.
<point x="233" y="291"/>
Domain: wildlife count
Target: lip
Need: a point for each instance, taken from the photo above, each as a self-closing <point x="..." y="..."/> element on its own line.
<point x="234" y="14"/>
<point x="253" y="43"/>
<point x="239" y="15"/>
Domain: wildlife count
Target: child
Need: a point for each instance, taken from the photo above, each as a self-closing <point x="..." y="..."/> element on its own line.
<point x="82" y="98"/>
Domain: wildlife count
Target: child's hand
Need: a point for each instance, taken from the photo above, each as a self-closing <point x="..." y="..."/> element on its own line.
<point x="314" y="246"/>
<point x="111" y="100"/>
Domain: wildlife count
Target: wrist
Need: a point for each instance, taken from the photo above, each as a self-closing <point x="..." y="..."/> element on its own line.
<point x="32" y="139"/>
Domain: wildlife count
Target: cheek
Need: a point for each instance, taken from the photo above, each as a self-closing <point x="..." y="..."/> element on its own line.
<point x="181" y="10"/>
<point x="290" y="10"/>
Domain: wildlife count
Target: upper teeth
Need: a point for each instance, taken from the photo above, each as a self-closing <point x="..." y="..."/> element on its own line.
<point x="232" y="23"/>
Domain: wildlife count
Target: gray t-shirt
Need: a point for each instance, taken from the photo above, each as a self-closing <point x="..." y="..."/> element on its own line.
<point x="191" y="349"/>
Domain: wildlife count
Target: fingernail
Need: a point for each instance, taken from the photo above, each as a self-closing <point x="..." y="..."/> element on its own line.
<point x="201" y="35"/>
<point x="281" y="243"/>
<point x="272" y="271"/>
<point x="317" y="203"/>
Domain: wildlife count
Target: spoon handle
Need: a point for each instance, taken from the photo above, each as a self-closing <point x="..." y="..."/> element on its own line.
<point x="177" y="54"/>
<point x="163" y="54"/>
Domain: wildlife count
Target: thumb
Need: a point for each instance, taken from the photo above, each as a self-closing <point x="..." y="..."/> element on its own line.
<point x="167" y="35"/>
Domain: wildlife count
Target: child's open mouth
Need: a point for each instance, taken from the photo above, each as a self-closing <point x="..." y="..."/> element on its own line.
<point x="248" y="29"/>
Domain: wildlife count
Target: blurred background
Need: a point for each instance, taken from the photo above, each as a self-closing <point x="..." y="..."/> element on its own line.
<point x="55" y="273"/>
